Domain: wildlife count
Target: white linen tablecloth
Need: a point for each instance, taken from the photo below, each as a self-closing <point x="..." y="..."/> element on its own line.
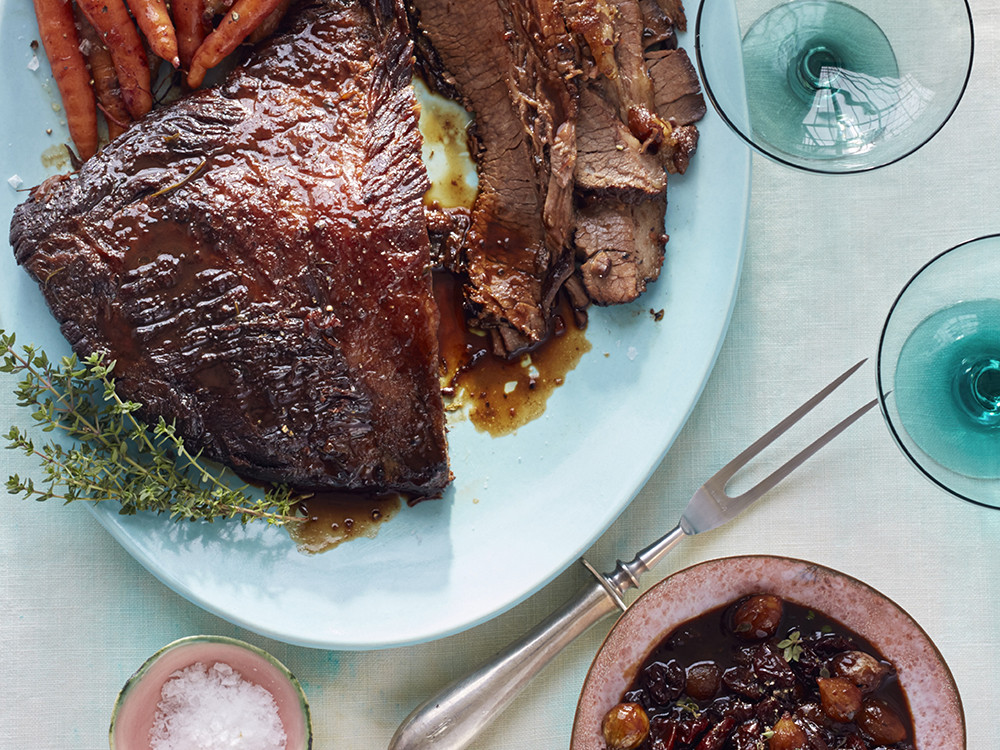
<point x="825" y="257"/>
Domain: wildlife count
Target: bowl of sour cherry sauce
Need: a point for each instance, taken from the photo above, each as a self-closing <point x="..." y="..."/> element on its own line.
<point x="767" y="653"/>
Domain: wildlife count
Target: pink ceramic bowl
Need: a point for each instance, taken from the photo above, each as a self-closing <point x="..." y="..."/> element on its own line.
<point x="939" y="723"/>
<point x="135" y="709"/>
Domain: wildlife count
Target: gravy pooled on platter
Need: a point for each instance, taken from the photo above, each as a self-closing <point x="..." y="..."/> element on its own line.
<point x="762" y="673"/>
<point x="500" y="395"/>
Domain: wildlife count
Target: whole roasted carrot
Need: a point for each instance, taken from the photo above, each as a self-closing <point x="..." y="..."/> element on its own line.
<point x="104" y="78"/>
<point x="120" y="36"/>
<point x="189" y="24"/>
<point x="62" y="47"/>
<point x="238" y="23"/>
<point x="155" y="24"/>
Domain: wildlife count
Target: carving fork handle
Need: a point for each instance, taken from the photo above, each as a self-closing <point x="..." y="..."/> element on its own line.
<point x="452" y="718"/>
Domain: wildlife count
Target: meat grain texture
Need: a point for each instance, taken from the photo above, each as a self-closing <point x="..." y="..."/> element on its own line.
<point x="581" y="108"/>
<point x="255" y="258"/>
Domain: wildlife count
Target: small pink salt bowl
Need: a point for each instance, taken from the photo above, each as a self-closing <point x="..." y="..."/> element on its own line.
<point x="938" y="719"/>
<point x="133" y="715"/>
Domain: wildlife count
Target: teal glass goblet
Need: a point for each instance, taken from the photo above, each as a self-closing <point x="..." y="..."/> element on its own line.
<point x="830" y="86"/>
<point x="938" y="370"/>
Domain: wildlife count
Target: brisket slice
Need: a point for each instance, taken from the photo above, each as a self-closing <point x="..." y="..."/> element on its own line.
<point x="510" y="64"/>
<point x="676" y="91"/>
<point x="658" y="31"/>
<point x="674" y="10"/>
<point x="620" y="245"/>
<point x="255" y="257"/>
<point x="610" y="159"/>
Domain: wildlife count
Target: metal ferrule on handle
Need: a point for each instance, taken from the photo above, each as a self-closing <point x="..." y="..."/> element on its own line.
<point x="626" y="575"/>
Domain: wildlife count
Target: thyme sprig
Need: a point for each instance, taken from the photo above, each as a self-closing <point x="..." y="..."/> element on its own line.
<point x="792" y="646"/>
<point x="115" y="455"/>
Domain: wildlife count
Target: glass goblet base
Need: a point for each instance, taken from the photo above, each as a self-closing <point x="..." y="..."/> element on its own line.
<point x="822" y="80"/>
<point x="947" y="387"/>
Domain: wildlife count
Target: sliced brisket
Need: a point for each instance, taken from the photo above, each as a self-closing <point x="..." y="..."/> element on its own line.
<point x="570" y="139"/>
<point x="676" y="90"/>
<point x="627" y="140"/>
<point x="610" y="159"/>
<point x="508" y="63"/>
<point x="658" y="28"/>
<point x="620" y="246"/>
<point x="674" y="10"/>
<point x="255" y="257"/>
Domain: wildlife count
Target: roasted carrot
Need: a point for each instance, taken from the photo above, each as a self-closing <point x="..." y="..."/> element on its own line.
<point x="62" y="47"/>
<point x="103" y="78"/>
<point x="189" y="23"/>
<point x="155" y="24"/>
<point x="236" y="26"/>
<point x="120" y="36"/>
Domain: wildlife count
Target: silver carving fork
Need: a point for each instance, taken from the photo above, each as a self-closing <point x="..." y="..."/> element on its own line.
<point x="453" y="717"/>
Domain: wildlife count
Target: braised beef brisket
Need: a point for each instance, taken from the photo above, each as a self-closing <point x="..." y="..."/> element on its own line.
<point x="658" y="28"/>
<point x="676" y="91"/>
<point x="610" y="159"/>
<point x="255" y="257"/>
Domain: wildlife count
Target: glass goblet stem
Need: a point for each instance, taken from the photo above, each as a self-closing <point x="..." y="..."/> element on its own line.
<point x="977" y="389"/>
<point x="815" y="70"/>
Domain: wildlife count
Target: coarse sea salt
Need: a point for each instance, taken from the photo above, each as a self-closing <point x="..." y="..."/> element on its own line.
<point x="214" y="708"/>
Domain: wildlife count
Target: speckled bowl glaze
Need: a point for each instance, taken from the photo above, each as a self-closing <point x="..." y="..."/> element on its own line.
<point x="939" y="722"/>
<point x="135" y="709"/>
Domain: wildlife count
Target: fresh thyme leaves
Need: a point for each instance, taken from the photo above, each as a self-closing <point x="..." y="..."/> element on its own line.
<point x="792" y="646"/>
<point x="115" y="455"/>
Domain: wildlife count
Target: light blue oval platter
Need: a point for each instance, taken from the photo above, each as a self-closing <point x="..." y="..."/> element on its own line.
<point x="522" y="507"/>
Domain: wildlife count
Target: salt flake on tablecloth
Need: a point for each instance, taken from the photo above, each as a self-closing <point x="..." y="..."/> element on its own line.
<point x="214" y="708"/>
<point x="15" y="181"/>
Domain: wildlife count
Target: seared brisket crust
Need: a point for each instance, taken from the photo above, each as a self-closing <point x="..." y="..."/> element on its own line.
<point x="255" y="257"/>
